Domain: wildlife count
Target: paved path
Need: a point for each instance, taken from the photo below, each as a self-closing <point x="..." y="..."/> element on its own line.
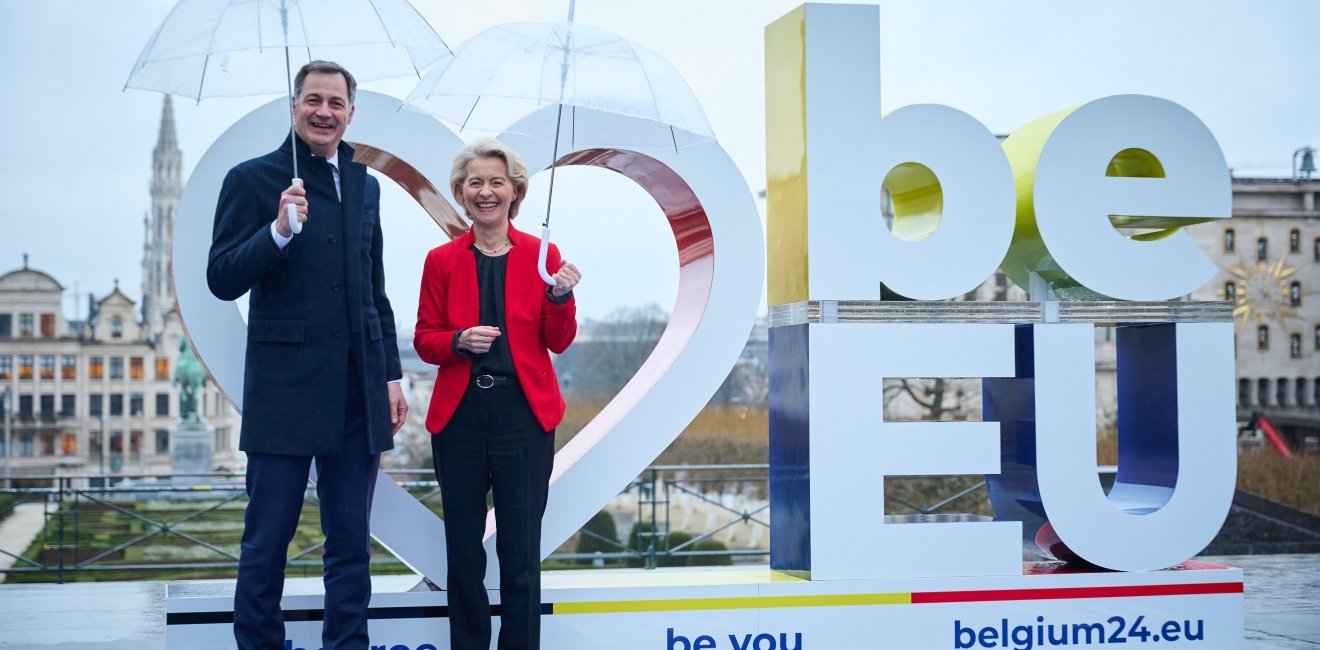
<point x="17" y="532"/>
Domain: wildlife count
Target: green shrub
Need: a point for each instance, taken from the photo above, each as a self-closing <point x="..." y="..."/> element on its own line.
<point x="710" y="560"/>
<point x="676" y="538"/>
<point x="602" y="526"/>
<point x="639" y="540"/>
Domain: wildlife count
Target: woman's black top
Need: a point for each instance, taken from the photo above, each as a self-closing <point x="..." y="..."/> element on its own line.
<point x="490" y="287"/>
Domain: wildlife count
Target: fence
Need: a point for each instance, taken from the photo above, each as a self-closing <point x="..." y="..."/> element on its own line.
<point x="129" y="527"/>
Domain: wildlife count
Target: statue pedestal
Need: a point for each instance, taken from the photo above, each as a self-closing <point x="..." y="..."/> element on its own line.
<point x="191" y="445"/>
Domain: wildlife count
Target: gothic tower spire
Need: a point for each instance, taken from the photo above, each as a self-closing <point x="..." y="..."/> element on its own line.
<point x="166" y="189"/>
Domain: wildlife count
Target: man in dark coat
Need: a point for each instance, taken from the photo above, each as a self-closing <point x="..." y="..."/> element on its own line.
<point x="321" y="380"/>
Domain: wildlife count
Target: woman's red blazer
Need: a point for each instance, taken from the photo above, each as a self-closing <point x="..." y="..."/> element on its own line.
<point x="535" y="327"/>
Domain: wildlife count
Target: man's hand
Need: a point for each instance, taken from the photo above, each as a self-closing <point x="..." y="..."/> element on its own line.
<point x="296" y="195"/>
<point x="567" y="278"/>
<point x="398" y="406"/>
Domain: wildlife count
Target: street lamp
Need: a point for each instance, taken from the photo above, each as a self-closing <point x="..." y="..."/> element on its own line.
<point x="100" y="449"/>
<point x="9" y="430"/>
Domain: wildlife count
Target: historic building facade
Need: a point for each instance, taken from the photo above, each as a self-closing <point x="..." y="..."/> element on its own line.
<point x="96" y="396"/>
<point x="1268" y="256"/>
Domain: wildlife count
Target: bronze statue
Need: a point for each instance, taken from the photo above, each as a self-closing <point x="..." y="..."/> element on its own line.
<point x="189" y="377"/>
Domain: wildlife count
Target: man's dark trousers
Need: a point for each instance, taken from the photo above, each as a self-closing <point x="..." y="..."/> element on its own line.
<point x="275" y="487"/>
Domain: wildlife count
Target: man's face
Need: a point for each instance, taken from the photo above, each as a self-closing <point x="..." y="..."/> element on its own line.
<point x="322" y="111"/>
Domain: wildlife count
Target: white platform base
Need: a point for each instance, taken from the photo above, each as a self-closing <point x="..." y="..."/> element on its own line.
<point x="1193" y="605"/>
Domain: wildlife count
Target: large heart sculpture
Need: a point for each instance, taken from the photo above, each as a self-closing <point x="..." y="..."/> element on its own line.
<point x="721" y="258"/>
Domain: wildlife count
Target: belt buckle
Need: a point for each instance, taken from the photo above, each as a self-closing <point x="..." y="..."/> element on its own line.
<point x="485" y="381"/>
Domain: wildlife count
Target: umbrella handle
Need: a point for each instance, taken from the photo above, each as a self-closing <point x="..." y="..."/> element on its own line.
<point x="294" y="224"/>
<point x="540" y="258"/>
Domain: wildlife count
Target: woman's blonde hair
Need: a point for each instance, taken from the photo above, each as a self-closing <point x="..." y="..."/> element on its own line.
<point x="490" y="148"/>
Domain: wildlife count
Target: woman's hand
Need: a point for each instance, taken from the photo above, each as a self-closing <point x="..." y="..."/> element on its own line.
<point x="477" y="340"/>
<point x="565" y="279"/>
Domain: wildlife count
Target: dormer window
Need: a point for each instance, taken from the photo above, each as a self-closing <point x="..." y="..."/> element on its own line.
<point x="117" y="328"/>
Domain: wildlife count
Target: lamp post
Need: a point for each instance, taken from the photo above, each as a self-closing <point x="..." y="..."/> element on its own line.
<point x="9" y="430"/>
<point x="100" y="451"/>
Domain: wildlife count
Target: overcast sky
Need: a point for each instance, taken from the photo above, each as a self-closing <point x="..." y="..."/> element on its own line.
<point x="77" y="172"/>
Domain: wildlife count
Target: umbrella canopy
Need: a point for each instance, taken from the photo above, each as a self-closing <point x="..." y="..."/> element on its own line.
<point x="507" y="72"/>
<point x="237" y="48"/>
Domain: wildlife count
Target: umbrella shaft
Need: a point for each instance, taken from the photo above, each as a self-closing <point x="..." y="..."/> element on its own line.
<point x="554" y="162"/>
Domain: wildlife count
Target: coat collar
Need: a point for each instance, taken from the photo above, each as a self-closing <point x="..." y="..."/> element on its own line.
<point x="305" y="153"/>
<point x="522" y="259"/>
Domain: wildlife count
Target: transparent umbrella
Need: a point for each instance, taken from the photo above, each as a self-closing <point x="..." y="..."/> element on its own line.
<point x="509" y="71"/>
<point x="240" y="48"/>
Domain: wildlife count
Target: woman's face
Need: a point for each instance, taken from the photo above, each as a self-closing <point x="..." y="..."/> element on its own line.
<point x="487" y="191"/>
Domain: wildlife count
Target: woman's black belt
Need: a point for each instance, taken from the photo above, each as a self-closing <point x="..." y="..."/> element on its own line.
<point x="493" y="381"/>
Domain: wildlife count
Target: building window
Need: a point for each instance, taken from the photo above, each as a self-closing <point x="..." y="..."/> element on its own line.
<point x="135" y="405"/>
<point x="1294" y="241"/>
<point x="1263" y="337"/>
<point x="1244" y="392"/>
<point x="1316" y="254"/>
<point x="48" y="326"/>
<point x="116" y="443"/>
<point x="162" y="441"/>
<point x="116" y="405"/>
<point x="1282" y="390"/>
<point x="162" y="368"/>
<point x="162" y="405"/>
<point x="135" y="442"/>
<point x="135" y="369"/>
<point x="47" y="366"/>
<point x="69" y="444"/>
<point x="95" y="405"/>
<point x="46" y="443"/>
<point x="48" y="408"/>
<point x="1262" y="249"/>
<point x="96" y="368"/>
<point x="7" y="320"/>
<point x="1230" y="291"/>
<point x="7" y="362"/>
<point x="1262" y="392"/>
<point x="1295" y="294"/>
<point x="117" y="325"/>
<point x="1301" y="391"/>
<point x="1230" y="240"/>
<point x="68" y="406"/>
<point x="1317" y="339"/>
<point x="68" y="367"/>
<point x="25" y="445"/>
<point x="116" y="367"/>
<point x="25" y="326"/>
<point x="1295" y="346"/>
<point x="25" y="367"/>
<point x="25" y="408"/>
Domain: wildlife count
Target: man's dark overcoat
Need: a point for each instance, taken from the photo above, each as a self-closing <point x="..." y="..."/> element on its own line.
<point x="311" y="304"/>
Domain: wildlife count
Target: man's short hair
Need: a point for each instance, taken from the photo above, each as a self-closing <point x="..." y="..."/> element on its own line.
<point x="327" y="67"/>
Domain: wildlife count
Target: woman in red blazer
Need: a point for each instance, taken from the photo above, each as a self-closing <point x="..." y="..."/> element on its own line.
<point x="490" y="323"/>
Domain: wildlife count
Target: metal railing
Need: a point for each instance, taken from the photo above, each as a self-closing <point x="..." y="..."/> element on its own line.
<point x="188" y="525"/>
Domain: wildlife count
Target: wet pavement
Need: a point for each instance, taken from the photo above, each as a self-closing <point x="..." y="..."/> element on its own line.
<point x="1282" y="609"/>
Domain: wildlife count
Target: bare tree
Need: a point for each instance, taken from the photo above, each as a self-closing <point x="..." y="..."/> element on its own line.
<point x="607" y="357"/>
<point x="932" y="399"/>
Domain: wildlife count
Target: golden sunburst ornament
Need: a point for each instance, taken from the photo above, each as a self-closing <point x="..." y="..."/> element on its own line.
<point x="1262" y="293"/>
